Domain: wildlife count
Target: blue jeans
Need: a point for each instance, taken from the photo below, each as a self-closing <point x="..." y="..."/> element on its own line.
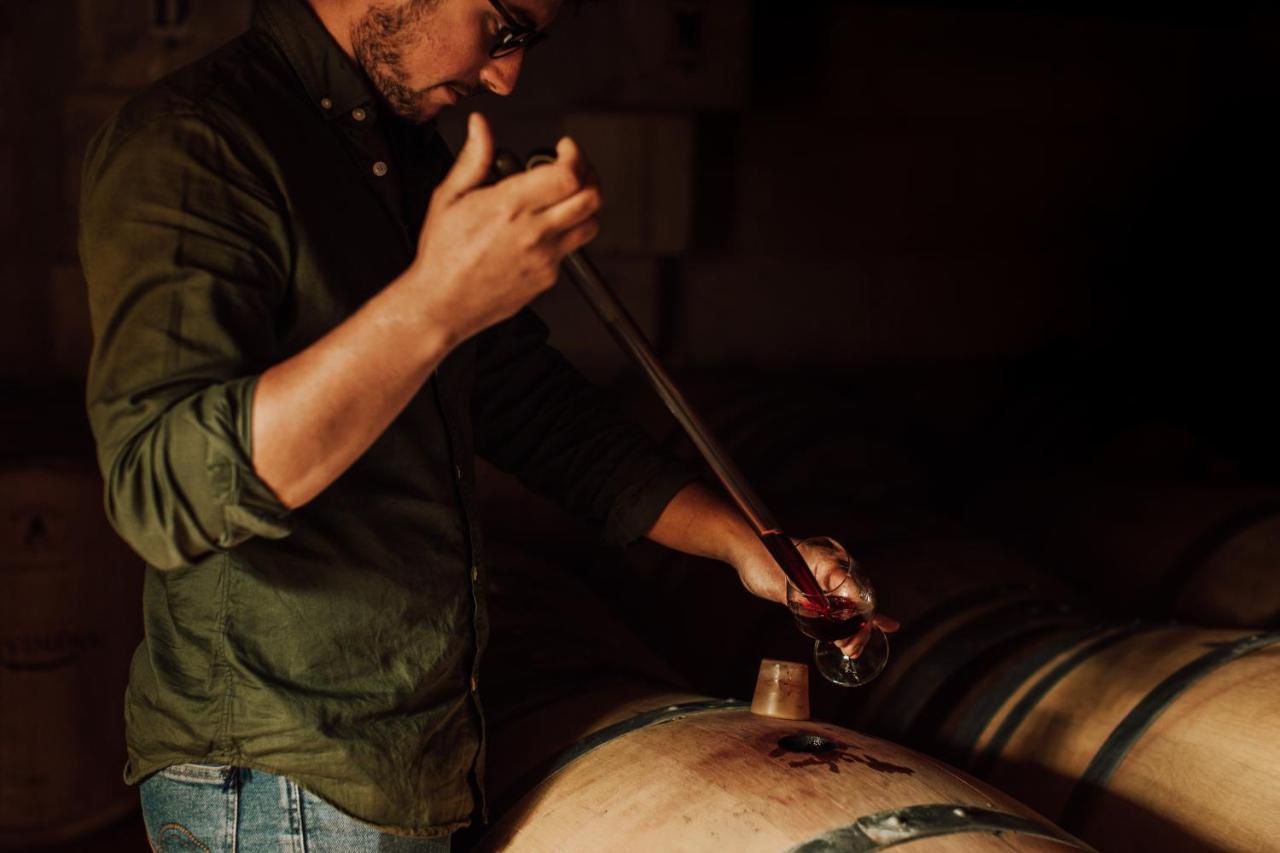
<point x="196" y="807"/>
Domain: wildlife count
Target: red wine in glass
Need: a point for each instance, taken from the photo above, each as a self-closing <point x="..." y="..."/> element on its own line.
<point x="842" y="611"/>
<point x="843" y="619"/>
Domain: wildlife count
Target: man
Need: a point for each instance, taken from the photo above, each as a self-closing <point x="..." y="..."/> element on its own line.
<point x="307" y="322"/>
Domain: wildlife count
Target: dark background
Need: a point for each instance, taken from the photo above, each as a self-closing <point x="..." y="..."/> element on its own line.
<point x="1027" y="225"/>
<point x="1083" y="189"/>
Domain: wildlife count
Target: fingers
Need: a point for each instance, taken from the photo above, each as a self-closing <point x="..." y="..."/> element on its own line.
<point x="574" y="216"/>
<point x="887" y="623"/>
<point x="579" y="236"/>
<point x="471" y="168"/>
<point x="829" y="574"/>
<point x="852" y="647"/>
<point x="545" y="186"/>
<point x="536" y="190"/>
<point x="827" y="559"/>
<point x="569" y="155"/>
<point x="540" y="188"/>
<point x="573" y="211"/>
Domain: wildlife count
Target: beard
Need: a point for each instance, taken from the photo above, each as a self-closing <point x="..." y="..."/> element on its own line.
<point x="379" y="40"/>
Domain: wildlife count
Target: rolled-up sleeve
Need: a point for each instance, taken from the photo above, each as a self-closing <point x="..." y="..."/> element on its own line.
<point x="184" y="249"/>
<point x="538" y="418"/>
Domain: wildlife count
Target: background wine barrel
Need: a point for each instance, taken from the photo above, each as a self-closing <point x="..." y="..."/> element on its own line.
<point x="1135" y="737"/>
<point x="1207" y="553"/>
<point x="1168" y="524"/>
<point x="70" y="619"/>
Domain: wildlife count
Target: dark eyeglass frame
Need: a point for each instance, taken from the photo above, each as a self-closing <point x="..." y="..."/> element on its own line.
<point x="515" y="36"/>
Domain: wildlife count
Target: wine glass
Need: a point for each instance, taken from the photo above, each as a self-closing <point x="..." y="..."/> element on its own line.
<point x="845" y="611"/>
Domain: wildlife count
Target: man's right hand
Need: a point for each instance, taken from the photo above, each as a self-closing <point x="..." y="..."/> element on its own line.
<point x="487" y="250"/>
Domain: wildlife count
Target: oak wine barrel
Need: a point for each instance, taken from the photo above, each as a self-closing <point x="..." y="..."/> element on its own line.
<point x="1158" y="519"/>
<point x="1135" y="737"/>
<point x="1206" y="553"/>
<point x="595" y="744"/>
<point x="703" y="777"/>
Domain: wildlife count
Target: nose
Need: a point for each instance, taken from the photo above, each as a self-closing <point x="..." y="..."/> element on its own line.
<point x="500" y="75"/>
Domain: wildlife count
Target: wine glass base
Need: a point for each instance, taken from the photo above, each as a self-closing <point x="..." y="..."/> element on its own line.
<point x="844" y="671"/>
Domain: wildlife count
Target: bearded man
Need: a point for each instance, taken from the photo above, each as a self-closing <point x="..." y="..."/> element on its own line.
<point x="308" y="320"/>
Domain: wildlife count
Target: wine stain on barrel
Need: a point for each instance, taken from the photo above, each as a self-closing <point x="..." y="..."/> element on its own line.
<point x="824" y="751"/>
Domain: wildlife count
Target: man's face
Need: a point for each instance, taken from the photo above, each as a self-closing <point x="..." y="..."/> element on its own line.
<point x="424" y="55"/>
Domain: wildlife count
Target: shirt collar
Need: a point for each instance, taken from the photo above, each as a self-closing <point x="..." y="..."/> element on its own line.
<point x="333" y="81"/>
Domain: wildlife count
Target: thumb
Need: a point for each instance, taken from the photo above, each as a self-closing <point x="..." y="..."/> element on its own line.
<point x="471" y="168"/>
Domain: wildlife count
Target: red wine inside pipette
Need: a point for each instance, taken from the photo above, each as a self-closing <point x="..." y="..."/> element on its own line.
<point x="789" y="559"/>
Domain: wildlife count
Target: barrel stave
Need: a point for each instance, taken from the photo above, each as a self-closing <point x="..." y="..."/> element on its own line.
<point x="1206" y="773"/>
<point x="1140" y="737"/>
<point x="960" y="600"/>
<point x="1075" y="716"/>
<point x="519" y="760"/>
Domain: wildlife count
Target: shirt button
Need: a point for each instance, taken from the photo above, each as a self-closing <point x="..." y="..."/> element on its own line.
<point x="475" y="684"/>
<point x="326" y="103"/>
<point x="359" y="114"/>
<point x="457" y="471"/>
<point x="475" y="573"/>
<point x="380" y="168"/>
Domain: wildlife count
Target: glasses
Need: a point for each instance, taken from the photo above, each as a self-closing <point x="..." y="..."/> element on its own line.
<point x="516" y="35"/>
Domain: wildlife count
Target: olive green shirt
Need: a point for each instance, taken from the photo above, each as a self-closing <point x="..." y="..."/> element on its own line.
<point x="232" y="215"/>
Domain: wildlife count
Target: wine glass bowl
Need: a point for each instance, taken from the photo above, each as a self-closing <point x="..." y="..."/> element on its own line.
<point x="845" y="613"/>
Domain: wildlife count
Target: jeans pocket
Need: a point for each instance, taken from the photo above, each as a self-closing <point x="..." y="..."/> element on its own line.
<point x="189" y="807"/>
